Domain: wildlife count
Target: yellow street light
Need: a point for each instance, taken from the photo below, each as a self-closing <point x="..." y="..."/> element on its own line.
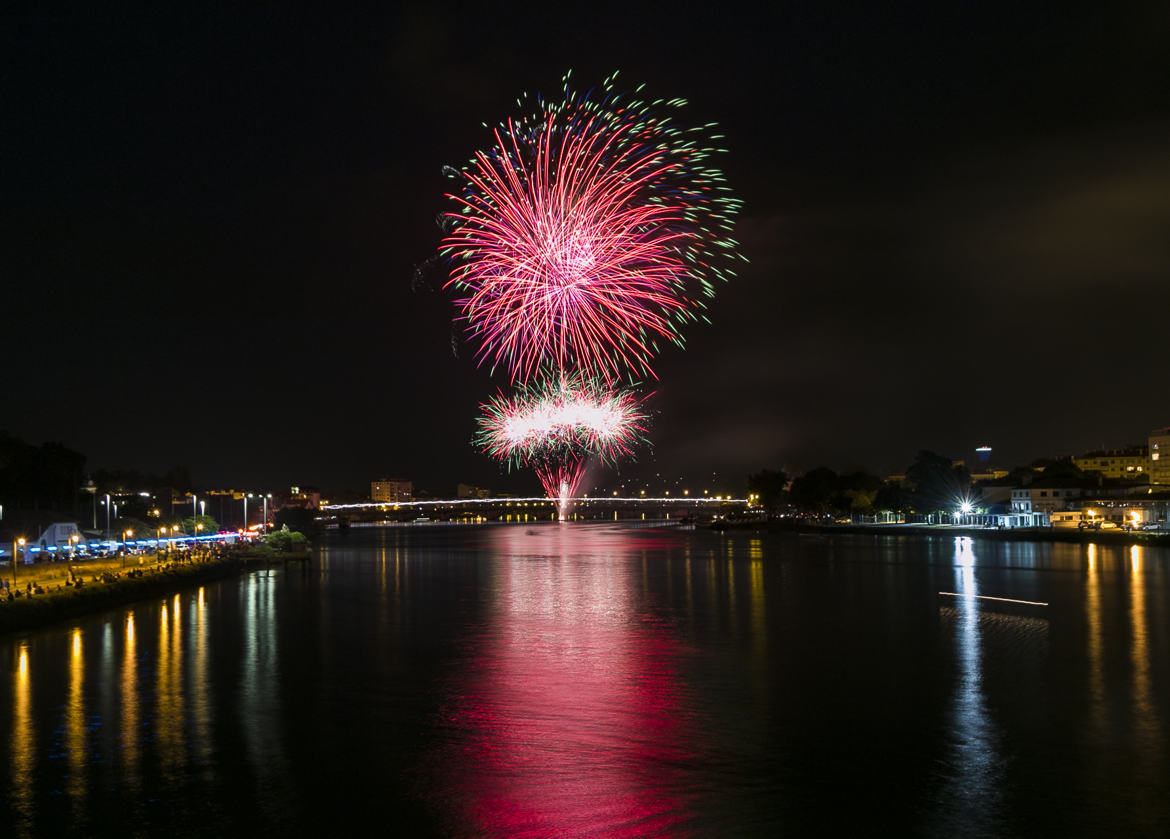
<point x="19" y="543"/>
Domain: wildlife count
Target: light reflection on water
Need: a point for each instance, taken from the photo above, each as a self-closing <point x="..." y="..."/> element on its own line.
<point x="972" y="796"/>
<point x="23" y="745"/>
<point x="130" y="733"/>
<point x="597" y="680"/>
<point x="75" y="729"/>
<point x="571" y="719"/>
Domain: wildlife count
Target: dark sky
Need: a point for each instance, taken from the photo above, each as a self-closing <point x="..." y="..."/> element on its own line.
<point x="957" y="216"/>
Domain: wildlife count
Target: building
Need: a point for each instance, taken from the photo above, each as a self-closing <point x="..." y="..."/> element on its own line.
<point x="472" y="491"/>
<point x="391" y="490"/>
<point x="1131" y="462"/>
<point x="1128" y="512"/>
<point x="61" y="534"/>
<point x="1043" y="499"/>
<point x="990" y="475"/>
<point x="1160" y="456"/>
<point x="304" y="497"/>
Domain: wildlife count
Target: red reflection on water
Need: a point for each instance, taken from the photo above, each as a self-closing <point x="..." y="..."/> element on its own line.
<point x="569" y="720"/>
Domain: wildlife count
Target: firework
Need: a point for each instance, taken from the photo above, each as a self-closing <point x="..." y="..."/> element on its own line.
<point x="556" y="425"/>
<point x="590" y="232"/>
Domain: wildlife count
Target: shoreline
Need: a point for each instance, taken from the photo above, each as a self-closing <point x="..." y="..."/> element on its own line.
<point x="1044" y="534"/>
<point x="25" y="613"/>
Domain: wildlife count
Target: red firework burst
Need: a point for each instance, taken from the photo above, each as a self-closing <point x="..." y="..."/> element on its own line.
<point x="584" y="238"/>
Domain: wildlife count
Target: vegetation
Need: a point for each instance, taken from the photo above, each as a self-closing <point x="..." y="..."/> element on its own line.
<point x="41" y="477"/>
<point x="285" y="541"/>
<point x="932" y="484"/>
<point x="770" y="485"/>
<point x="199" y="525"/>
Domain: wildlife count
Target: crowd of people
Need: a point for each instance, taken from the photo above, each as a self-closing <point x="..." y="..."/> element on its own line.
<point x="147" y="564"/>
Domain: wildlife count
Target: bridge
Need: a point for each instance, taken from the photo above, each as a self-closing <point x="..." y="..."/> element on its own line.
<point x="586" y="508"/>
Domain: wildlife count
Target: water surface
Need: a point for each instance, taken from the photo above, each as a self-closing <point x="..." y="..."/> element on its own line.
<point x="606" y="680"/>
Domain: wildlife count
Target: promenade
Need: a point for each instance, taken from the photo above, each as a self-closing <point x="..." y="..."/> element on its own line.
<point x="49" y="591"/>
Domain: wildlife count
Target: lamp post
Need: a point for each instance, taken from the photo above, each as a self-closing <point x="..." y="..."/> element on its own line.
<point x="126" y="534"/>
<point x="73" y="540"/>
<point x="19" y="543"/>
<point x="266" y="497"/>
<point x="107" y="517"/>
<point x="91" y="488"/>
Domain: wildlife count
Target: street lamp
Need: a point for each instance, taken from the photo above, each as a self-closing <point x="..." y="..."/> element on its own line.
<point x="73" y="540"/>
<point x="126" y="534"/>
<point x="18" y="543"/>
<point x="266" y="497"/>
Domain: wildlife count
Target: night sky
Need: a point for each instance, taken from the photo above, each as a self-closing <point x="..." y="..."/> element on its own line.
<point x="957" y="219"/>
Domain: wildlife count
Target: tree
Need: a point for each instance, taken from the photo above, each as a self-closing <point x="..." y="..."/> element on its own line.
<point x="209" y="525"/>
<point x="769" y="485"/>
<point x="44" y="477"/>
<point x="935" y="484"/>
<point x="1063" y="469"/>
<point x="856" y="492"/>
<point x="891" y="497"/>
<point x="284" y="540"/>
<point x="813" y="491"/>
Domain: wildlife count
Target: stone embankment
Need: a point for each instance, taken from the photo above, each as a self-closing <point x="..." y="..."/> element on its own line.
<point x="53" y="592"/>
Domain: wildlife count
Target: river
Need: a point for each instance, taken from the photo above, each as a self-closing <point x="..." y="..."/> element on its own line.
<point x="609" y="680"/>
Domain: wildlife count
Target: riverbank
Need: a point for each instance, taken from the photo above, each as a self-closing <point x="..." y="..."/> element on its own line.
<point x="1022" y="534"/>
<point x="104" y="588"/>
<point x="72" y="602"/>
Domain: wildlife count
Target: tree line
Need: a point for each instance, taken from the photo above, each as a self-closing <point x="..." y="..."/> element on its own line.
<point x="933" y="483"/>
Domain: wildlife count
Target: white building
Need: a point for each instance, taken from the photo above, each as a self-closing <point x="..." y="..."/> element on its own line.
<point x="1035" y="499"/>
<point x="61" y="534"/>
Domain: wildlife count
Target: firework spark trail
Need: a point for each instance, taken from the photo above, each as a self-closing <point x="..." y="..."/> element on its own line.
<point x="557" y="424"/>
<point x="587" y="234"/>
<point x="592" y="230"/>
